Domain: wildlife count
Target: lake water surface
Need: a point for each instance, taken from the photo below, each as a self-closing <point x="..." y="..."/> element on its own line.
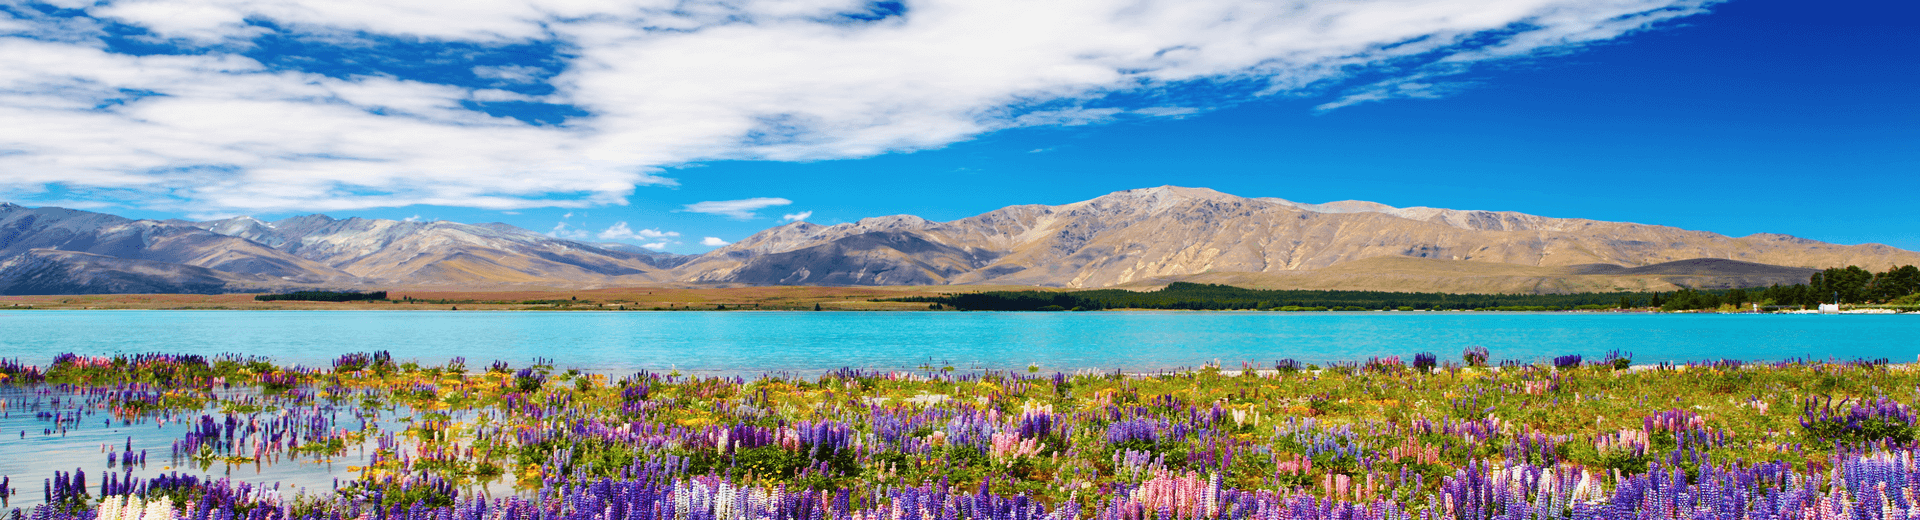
<point x="751" y="343"/>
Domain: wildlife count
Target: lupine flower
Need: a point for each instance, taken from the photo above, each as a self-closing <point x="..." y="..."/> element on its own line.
<point x="1863" y="421"/>
<point x="1475" y="356"/>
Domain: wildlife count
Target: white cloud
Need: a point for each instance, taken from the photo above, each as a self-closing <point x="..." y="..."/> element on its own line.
<point x="1174" y="112"/>
<point x="1067" y="117"/>
<point x="415" y="218"/>
<point x="656" y="246"/>
<point x="510" y="73"/>
<point x="713" y="241"/>
<point x="737" y="209"/>
<point x="796" y="217"/>
<point x="620" y="231"/>
<point x="666" y="83"/>
<point x="560" y="230"/>
<point x="489" y="95"/>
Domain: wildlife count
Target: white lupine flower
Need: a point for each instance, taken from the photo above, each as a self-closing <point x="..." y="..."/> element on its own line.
<point x="109" y="509"/>
<point x="159" y="509"/>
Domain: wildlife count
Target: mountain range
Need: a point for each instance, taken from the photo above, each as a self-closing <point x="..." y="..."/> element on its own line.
<point x="1134" y="238"/>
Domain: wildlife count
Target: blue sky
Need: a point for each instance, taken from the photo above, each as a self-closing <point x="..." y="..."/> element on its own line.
<point x="669" y="125"/>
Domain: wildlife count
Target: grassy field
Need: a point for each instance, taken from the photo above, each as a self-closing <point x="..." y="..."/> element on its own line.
<point x="1381" y="438"/>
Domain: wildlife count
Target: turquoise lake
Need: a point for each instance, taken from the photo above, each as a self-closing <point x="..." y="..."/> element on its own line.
<point x="805" y="343"/>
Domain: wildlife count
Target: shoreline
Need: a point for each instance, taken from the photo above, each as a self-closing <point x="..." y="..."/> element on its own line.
<point x="780" y="298"/>
<point x="833" y="307"/>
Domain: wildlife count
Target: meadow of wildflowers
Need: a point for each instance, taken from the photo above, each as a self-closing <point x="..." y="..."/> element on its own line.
<point x="1573" y="438"/>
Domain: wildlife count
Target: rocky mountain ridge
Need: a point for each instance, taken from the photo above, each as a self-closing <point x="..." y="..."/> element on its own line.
<point x="1156" y="233"/>
<point x="57" y="250"/>
<point x="1128" y="238"/>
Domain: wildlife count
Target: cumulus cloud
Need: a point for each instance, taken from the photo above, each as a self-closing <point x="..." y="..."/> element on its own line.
<point x="620" y="231"/>
<point x="796" y="217"/>
<point x="737" y="209"/>
<point x="668" y="83"/>
<point x="713" y="241"/>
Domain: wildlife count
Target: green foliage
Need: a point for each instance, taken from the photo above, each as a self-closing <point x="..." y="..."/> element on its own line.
<point x="964" y="456"/>
<point x="397" y="494"/>
<point x="1624" y="462"/>
<point x="1870" y="430"/>
<point x="1192" y="296"/>
<point x="1689" y="299"/>
<point x="528" y="384"/>
<point x="1853" y="284"/>
<point x="768" y="461"/>
<point x="1849" y="284"/>
<point x="165" y="370"/>
<point x="323" y="296"/>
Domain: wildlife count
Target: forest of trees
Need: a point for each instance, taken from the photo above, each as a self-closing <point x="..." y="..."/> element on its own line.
<point x="1852" y="284"/>
<point x="1849" y="284"/>
<point x="1192" y="296"/>
<point x="323" y="296"/>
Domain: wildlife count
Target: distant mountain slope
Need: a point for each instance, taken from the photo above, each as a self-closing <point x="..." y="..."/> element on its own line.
<point x="1156" y="233"/>
<point x="446" y="253"/>
<point x="243" y="253"/>
<point x="25" y="229"/>
<point x="1131" y="238"/>
<point x="46" y="271"/>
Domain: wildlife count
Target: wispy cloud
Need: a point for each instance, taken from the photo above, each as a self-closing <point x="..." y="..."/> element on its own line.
<point x="1398" y="88"/>
<point x="713" y="241"/>
<point x="796" y="217"/>
<point x="1067" y="117"/>
<point x="1173" y="112"/>
<point x="201" y="126"/>
<point x="510" y="73"/>
<point x="620" y="231"/>
<point x="737" y="209"/>
<point x="561" y="230"/>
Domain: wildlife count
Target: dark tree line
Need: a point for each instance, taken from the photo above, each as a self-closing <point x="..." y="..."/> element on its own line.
<point x="1689" y="299"/>
<point x="1192" y="296"/>
<point x="323" y="296"/>
<point x="1849" y="284"/>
